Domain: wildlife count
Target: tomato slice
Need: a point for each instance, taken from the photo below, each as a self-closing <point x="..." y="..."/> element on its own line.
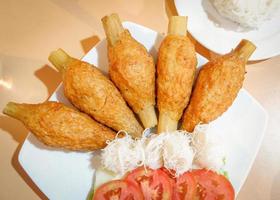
<point x="170" y="173"/>
<point x="185" y="188"/>
<point x="155" y="184"/>
<point x="211" y="185"/>
<point x="118" y="190"/>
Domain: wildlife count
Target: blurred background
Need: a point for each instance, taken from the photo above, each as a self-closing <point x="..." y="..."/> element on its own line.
<point x="31" y="29"/>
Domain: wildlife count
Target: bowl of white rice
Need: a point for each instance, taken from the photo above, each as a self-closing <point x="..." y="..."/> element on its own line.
<point x="247" y="13"/>
<point x="220" y="25"/>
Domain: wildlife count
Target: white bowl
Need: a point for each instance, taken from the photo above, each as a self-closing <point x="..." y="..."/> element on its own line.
<point x="69" y="175"/>
<point x="202" y="24"/>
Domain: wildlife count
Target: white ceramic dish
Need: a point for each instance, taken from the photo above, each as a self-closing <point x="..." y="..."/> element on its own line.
<point x="202" y="24"/>
<point x="69" y="175"/>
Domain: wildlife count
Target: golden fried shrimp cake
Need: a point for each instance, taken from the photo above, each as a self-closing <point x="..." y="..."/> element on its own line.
<point x="217" y="85"/>
<point x="57" y="125"/>
<point x="93" y="93"/>
<point x="175" y="74"/>
<point x="132" y="70"/>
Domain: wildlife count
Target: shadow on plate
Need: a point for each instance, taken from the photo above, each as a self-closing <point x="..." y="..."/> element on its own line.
<point x="59" y="95"/>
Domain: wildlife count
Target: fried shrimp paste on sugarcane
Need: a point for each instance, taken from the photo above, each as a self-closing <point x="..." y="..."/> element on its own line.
<point x="132" y="69"/>
<point x="217" y="85"/>
<point x="57" y="125"/>
<point x="93" y="93"/>
<point x="176" y="68"/>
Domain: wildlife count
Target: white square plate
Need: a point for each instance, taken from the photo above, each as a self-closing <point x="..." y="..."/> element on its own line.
<point x="69" y="175"/>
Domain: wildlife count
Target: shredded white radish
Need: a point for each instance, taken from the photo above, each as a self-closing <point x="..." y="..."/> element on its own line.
<point x="210" y="152"/>
<point x="177" y="150"/>
<point x="177" y="153"/>
<point x="153" y="151"/>
<point x="122" y="155"/>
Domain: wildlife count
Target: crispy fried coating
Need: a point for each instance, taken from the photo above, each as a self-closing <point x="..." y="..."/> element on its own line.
<point x="132" y="70"/>
<point x="93" y="93"/>
<point x="175" y="74"/>
<point x="57" y="125"/>
<point x="217" y="85"/>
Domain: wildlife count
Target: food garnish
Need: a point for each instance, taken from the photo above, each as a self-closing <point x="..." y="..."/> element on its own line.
<point x="148" y="184"/>
<point x="118" y="189"/>
<point x="177" y="151"/>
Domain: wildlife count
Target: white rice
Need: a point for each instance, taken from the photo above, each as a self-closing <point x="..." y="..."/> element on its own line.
<point x="247" y="13"/>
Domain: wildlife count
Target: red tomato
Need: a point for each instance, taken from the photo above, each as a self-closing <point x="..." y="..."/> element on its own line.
<point x="211" y="185"/>
<point x="118" y="190"/>
<point x="170" y="173"/>
<point x="185" y="188"/>
<point x="155" y="184"/>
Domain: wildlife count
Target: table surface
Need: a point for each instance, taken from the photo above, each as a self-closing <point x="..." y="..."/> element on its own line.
<point x="31" y="29"/>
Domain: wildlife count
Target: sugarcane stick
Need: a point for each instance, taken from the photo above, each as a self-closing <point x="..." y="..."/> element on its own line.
<point x="60" y="59"/>
<point x="113" y="28"/>
<point x="177" y="25"/>
<point x="244" y="49"/>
